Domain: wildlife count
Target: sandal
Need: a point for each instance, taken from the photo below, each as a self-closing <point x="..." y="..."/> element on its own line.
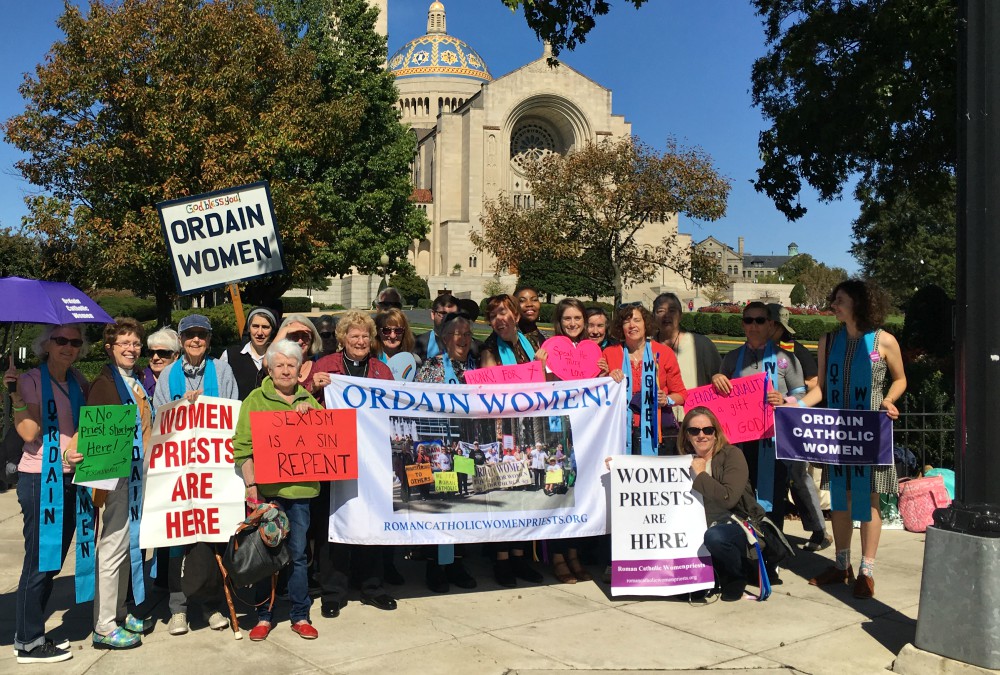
<point x="576" y="567"/>
<point x="562" y="573"/>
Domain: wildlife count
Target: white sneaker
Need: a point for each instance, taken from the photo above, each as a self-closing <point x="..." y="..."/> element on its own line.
<point x="178" y="624"/>
<point x="216" y="621"/>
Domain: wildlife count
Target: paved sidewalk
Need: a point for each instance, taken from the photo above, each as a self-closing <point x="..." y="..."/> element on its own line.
<point x="535" y="629"/>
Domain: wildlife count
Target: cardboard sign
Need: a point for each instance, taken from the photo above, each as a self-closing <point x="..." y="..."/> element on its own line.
<point x="833" y="436"/>
<point x="572" y="362"/>
<point x="193" y="492"/>
<point x="106" y="433"/>
<point x="554" y="476"/>
<point x="419" y="474"/>
<point x="290" y="447"/>
<point x="221" y="237"/>
<point x="501" y="476"/>
<point x="445" y="481"/>
<point x="522" y="373"/>
<point x="508" y="442"/>
<point x="745" y="414"/>
<point x="465" y="465"/>
<point x="657" y="528"/>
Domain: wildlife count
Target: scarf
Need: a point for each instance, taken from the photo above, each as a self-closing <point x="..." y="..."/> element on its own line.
<point x="433" y="348"/>
<point x="649" y="408"/>
<point x="858" y="398"/>
<point x="507" y="356"/>
<point x="50" y="503"/>
<point x="766" y="447"/>
<point x="125" y="395"/>
<point x="178" y="377"/>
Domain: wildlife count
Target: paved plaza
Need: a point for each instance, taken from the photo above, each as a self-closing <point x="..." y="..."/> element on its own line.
<point x="536" y="629"/>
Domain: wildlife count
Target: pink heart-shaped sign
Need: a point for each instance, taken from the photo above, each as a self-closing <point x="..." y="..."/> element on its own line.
<point x="572" y="362"/>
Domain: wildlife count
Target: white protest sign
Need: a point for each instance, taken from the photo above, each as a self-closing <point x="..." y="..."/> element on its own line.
<point x="379" y="511"/>
<point x="192" y="490"/>
<point x="221" y="237"/>
<point x="657" y="528"/>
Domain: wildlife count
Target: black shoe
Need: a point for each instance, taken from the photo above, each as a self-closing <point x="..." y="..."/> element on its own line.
<point x="523" y="570"/>
<point x="380" y="601"/>
<point x="435" y="578"/>
<point x="733" y="590"/>
<point x="818" y="541"/>
<point x="504" y="573"/>
<point x="772" y="576"/>
<point x="392" y="576"/>
<point x="331" y="610"/>
<point x="458" y="575"/>
<point x="46" y="652"/>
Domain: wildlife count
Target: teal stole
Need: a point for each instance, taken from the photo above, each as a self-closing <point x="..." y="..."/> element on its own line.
<point x="507" y="356"/>
<point x="134" y="488"/>
<point x="857" y="398"/>
<point x="765" y="448"/>
<point x="51" y="506"/>
<point x="178" y="384"/>
<point x="649" y="410"/>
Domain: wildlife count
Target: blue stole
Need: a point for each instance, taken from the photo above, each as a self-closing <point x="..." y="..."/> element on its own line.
<point x="765" y="448"/>
<point x="134" y="487"/>
<point x="433" y="348"/>
<point x="506" y="354"/>
<point x="858" y="398"/>
<point x="178" y="385"/>
<point x="383" y="358"/>
<point x="446" y="552"/>
<point x="649" y="411"/>
<point x="50" y="503"/>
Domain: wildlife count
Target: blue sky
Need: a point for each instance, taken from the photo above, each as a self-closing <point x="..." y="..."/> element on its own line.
<point x="676" y="68"/>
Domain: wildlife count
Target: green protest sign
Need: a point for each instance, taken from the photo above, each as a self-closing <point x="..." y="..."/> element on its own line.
<point x="104" y="439"/>
<point x="465" y="465"/>
<point x="445" y="481"/>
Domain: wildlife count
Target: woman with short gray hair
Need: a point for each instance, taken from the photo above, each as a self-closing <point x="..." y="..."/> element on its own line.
<point x="163" y="346"/>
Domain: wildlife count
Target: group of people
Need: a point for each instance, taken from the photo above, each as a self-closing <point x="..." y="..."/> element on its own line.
<point x="284" y="365"/>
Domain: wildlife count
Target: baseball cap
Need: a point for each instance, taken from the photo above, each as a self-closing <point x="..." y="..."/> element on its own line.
<point x="194" y="321"/>
<point x="780" y="314"/>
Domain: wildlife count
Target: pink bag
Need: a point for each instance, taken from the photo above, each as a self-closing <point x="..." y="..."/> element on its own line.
<point x="918" y="497"/>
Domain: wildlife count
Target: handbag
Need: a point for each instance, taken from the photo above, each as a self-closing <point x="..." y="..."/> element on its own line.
<point x="257" y="550"/>
<point x="918" y="497"/>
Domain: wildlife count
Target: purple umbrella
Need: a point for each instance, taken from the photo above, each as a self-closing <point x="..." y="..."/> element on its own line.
<point x="34" y="301"/>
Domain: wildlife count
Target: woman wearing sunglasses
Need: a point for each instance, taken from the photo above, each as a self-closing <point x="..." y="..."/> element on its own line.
<point x="392" y="334"/>
<point x="54" y="384"/>
<point x="721" y="477"/>
<point x="163" y="346"/>
<point x="760" y="354"/>
<point x="300" y="330"/>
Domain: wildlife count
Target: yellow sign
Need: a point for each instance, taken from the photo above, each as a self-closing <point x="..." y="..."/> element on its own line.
<point x="446" y="481"/>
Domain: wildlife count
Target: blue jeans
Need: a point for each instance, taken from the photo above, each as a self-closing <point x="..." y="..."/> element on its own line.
<point x="727" y="542"/>
<point x="297" y="511"/>
<point x="35" y="587"/>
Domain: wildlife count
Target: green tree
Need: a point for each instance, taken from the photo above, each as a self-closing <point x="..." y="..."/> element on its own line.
<point x="360" y="195"/>
<point x="794" y="268"/>
<point x="818" y="281"/>
<point x="706" y="270"/>
<point x="598" y="199"/>
<point x="409" y="285"/>
<point x="863" y="88"/>
<point x="563" y="23"/>
<point x="798" y="294"/>
<point x="905" y="244"/>
<point x="583" y="277"/>
<point x="19" y="253"/>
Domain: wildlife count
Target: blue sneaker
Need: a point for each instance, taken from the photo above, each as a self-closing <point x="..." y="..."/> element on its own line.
<point x="119" y="638"/>
<point x="134" y="625"/>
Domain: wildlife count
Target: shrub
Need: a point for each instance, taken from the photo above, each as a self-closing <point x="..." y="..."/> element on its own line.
<point x="411" y="287"/>
<point x="734" y="325"/>
<point x="296" y="304"/>
<point x="688" y="322"/>
<point x="703" y="323"/>
<point x="546" y="313"/>
<point x="223" y="320"/>
<point x="720" y="323"/>
<point x="424" y="303"/>
<point x="139" y="309"/>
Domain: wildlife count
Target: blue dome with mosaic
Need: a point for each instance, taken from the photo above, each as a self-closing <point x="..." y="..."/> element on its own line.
<point x="438" y="54"/>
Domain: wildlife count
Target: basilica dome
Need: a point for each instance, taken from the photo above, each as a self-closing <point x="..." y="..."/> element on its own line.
<point x="438" y="54"/>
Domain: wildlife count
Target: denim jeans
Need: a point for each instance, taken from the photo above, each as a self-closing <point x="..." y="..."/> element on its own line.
<point x="297" y="511"/>
<point x="727" y="542"/>
<point x="35" y="587"/>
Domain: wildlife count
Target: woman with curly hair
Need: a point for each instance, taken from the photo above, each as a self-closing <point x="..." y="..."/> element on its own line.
<point x="855" y="361"/>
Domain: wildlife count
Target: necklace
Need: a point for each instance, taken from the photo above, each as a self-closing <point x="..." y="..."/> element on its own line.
<point x="63" y="388"/>
<point x="356" y="368"/>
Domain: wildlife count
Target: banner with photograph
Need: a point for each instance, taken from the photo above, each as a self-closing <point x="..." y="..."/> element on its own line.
<point x="658" y="528"/>
<point x="504" y="503"/>
<point x="192" y="490"/>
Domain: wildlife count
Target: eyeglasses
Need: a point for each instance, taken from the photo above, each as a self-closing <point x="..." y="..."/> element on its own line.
<point x="759" y="320"/>
<point x="390" y="331"/>
<point x="627" y="305"/>
<point x="161" y="353"/>
<point x="127" y="345"/>
<point x="63" y="341"/>
<point x="326" y="334"/>
<point x="299" y="336"/>
<point x="694" y="431"/>
<point x="192" y="334"/>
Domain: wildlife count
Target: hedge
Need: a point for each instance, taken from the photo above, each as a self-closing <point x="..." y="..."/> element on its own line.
<point x="296" y="304"/>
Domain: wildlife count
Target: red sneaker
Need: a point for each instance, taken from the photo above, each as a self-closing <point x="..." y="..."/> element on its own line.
<point x="260" y="631"/>
<point x="305" y="630"/>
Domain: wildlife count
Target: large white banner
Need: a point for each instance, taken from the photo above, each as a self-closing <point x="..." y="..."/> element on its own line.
<point x="192" y="491"/>
<point x="658" y="528"/>
<point x="376" y="509"/>
<point x="221" y="237"/>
